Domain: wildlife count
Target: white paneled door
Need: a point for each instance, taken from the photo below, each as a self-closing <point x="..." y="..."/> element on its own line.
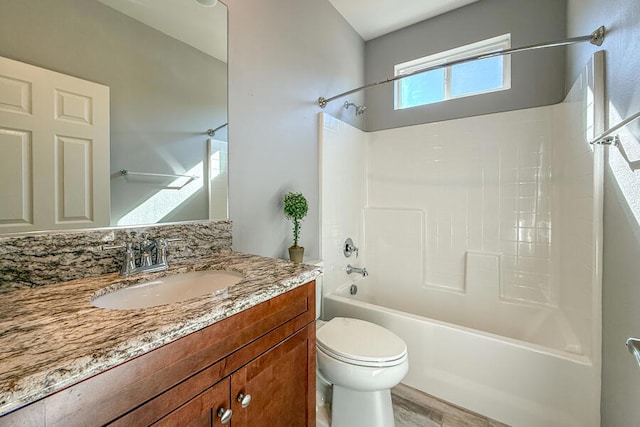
<point x="54" y="150"/>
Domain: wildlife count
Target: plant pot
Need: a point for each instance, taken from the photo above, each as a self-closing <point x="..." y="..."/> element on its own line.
<point x="296" y="253"/>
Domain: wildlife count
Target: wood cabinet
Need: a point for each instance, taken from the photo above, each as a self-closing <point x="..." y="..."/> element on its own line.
<point x="266" y="352"/>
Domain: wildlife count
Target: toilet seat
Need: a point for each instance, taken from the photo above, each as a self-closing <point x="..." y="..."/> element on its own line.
<point x="361" y="343"/>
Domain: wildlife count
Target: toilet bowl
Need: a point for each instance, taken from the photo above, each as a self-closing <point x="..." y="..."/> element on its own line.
<point x="361" y="362"/>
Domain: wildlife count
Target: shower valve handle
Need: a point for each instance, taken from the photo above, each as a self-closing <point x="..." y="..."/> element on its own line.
<point x="349" y="248"/>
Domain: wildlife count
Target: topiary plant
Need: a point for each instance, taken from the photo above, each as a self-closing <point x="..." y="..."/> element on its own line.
<point x="295" y="209"/>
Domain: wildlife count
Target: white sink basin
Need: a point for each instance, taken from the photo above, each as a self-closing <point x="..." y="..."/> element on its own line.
<point x="167" y="290"/>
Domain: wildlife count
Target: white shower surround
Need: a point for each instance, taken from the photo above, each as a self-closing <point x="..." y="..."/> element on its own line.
<point x="486" y="233"/>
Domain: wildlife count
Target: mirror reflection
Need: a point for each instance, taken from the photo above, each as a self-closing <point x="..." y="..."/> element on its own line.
<point x="104" y="111"/>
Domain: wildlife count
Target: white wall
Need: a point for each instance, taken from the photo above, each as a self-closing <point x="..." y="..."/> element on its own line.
<point x="283" y="55"/>
<point x="343" y="158"/>
<point x="577" y="198"/>
<point x="483" y="186"/>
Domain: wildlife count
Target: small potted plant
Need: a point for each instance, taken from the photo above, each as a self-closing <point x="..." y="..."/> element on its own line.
<point x="295" y="209"/>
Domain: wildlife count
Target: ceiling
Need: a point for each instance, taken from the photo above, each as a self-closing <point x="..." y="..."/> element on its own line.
<point x="374" y="18"/>
<point x="207" y="28"/>
<point x="204" y="28"/>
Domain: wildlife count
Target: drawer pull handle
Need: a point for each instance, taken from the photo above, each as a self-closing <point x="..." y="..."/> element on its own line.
<point x="225" y="415"/>
<point x="244" y="399"/>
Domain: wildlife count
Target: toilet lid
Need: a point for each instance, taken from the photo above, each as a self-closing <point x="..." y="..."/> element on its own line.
<point x="360" y="341"/>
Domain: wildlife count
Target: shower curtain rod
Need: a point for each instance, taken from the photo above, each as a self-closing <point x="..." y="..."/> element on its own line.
<point x="605" y="139"/>
<point x="596" y="38"/>
<point x="212" y="132"/>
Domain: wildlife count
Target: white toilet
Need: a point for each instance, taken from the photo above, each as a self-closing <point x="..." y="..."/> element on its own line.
<point x="358" y="362"/>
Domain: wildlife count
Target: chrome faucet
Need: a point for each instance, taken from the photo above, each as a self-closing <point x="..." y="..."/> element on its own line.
<point x="352" y="269"/>
<point x="145" y="256"/>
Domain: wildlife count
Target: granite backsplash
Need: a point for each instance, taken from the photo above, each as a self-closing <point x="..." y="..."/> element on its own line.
<point x="37" y="259"/>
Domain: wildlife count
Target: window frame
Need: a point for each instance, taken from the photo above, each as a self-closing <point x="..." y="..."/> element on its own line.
<point x="493" y="44"/>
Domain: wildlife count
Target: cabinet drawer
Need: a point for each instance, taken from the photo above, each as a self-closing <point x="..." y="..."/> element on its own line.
<point x="201" y="411"/>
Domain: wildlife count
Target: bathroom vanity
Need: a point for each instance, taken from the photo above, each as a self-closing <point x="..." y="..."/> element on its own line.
<point x="247" y="354"/>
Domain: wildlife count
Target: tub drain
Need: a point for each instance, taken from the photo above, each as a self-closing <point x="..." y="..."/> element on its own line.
<point x="353" y="290"/>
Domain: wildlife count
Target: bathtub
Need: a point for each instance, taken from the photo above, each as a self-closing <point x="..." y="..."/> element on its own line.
<point x="538" y="379"/>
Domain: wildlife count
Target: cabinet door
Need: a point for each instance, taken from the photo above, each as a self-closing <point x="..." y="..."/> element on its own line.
<point x="202" y="410"/>
<point x="281" y="383"/>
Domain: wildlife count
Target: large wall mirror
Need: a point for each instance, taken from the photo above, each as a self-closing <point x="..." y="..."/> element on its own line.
<point x="159" y="68"/>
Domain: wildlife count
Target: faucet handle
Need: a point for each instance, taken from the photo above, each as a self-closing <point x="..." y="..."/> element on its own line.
<point x="349" y="248"/>
<point x="144" y="244"/>
<point x="162" y="245"/>
<point x="129" y="261"/>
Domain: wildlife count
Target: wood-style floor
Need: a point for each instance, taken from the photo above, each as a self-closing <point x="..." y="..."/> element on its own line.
<point x="413" y="408"/>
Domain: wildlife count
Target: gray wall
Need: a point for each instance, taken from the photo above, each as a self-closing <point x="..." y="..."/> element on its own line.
<point x="163" y="92"/>
<point x="621" y="282"/>
<point x="537" y="77"/>
<point x="283" y="55"/>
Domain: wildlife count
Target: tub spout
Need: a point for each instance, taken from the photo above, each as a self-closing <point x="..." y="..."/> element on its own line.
<point x="351" y="269"/>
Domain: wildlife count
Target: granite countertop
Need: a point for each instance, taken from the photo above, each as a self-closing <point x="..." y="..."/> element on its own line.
<point x="51" y="337"/>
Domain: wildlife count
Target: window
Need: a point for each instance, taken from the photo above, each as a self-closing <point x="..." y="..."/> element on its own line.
<point x="470" y="78"/>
